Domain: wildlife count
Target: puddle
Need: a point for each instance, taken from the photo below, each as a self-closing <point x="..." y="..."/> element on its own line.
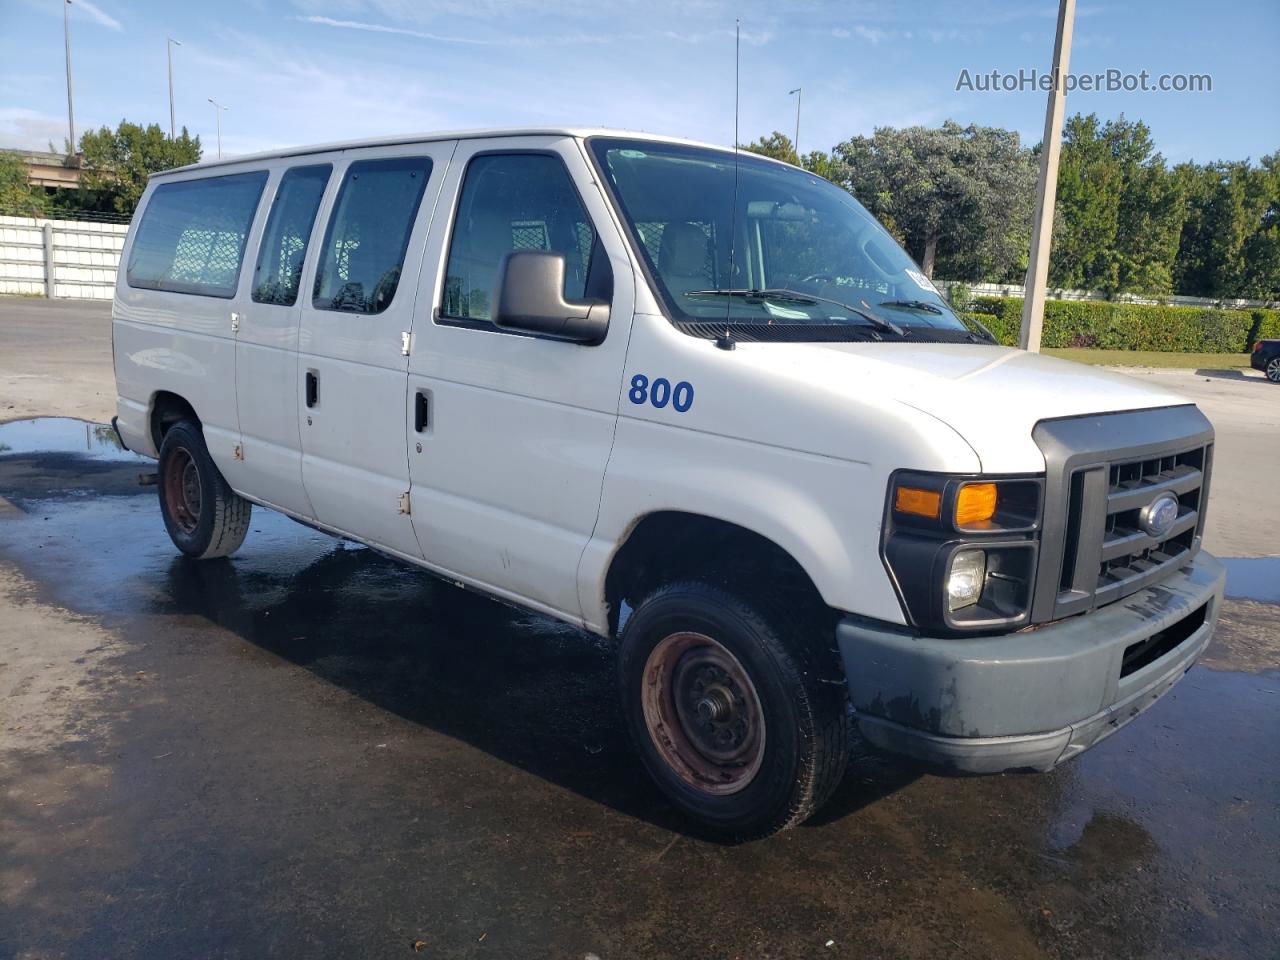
<point x="1254" y="578"/>
<point x="293" y="669"/>
<point x="95" y="441"/>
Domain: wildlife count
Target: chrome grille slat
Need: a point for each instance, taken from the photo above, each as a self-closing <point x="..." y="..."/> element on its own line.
<point x="1135" y="541"/>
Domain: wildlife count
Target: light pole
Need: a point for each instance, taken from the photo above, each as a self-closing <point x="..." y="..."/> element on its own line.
<point x="217" y="113"/>
<point x="1047" y="192"/>
<point x="66" y="40"/>
<point x="798" y="92"/>
<point x="169" y="48"/>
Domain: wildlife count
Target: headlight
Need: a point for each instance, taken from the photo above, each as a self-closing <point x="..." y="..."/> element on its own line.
<point x="962" y="549"/>
<point x="964" y="582"/>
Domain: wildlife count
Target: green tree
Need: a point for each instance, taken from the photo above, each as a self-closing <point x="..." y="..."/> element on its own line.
<point x="959" y="198"/>
<point x="776" y="145"/>
<point x="118" y="162"/>
<point x="17" y="196"/>
<point x="1119" y="209"/>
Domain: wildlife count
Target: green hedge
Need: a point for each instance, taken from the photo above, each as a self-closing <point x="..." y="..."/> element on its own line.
<point x="1132" y="326"/>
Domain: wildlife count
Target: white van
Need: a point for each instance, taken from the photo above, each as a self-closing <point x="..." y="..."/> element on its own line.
<point x="697" y="400"/>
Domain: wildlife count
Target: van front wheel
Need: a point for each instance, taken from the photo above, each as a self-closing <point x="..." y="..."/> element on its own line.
<point x="204" y="516"/>
<point x="734" y="715"/>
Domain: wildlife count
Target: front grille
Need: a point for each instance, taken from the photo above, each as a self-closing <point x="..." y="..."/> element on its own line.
<point x="1130" y="557"/>
<point x="1095" y="550"/>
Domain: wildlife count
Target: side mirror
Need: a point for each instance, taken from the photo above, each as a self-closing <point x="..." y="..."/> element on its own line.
<point x="528" y="297"/>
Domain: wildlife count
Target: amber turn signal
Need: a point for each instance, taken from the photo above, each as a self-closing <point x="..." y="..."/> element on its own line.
<point x="975" y="504"/>
<point x="918" y="503"/>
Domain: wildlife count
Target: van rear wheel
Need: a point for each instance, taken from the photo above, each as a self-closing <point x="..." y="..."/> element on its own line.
<point x="732" y="710"/>
<point x="205" y="518"/>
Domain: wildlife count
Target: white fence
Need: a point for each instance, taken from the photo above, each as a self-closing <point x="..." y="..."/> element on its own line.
<point x="59" y="258"/>
<point x="1173" y="300"/>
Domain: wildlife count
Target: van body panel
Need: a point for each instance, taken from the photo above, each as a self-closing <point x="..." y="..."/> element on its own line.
<point x="970" y="385"/>
<point x="735" y="454"/>
<point x="354" y="459"/>
<point x="506" y="483"/>
<point x="267" y="390"/>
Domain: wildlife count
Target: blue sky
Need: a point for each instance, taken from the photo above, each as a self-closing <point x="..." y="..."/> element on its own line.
<point x="304" y="71"/>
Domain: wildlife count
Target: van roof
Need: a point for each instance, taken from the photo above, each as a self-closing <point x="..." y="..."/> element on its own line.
<point x="480" y="134"/>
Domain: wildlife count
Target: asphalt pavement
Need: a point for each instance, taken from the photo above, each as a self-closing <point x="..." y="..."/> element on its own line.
<point x="310" y="750"/>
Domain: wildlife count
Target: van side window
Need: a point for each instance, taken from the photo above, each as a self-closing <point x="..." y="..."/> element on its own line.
<point x="192" y="234"/>
<point x="514" y="202"/>
<point x="368" y="234"/>
<point x="288" y="230"/>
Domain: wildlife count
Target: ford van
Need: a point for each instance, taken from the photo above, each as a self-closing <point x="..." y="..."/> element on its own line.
<point x="690" y="399"/>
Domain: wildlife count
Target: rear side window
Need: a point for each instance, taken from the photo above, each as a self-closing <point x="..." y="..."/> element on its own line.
<point x="514" y="202"/>
<point x="192" y="235"/>
<point x="368" y="234"/>
<point x="284" y="241"/>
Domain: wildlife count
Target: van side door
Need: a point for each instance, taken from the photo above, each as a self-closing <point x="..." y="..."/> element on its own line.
<point x="356" y="321"/>
<point x="510" y="433"/>
<point x="267" y="338"/>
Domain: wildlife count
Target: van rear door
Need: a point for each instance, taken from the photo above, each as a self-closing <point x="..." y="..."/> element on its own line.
<point x="356" y="319"/>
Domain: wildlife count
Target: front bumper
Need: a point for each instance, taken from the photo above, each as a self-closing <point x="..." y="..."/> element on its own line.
<point x="1032" y="699"/>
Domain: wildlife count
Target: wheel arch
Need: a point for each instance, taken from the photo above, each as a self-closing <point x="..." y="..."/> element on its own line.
<point x="666" y="545"/>
<point x="168" y="408"/>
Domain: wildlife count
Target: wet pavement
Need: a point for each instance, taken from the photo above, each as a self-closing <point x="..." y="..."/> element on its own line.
<point x="310" y="750"/>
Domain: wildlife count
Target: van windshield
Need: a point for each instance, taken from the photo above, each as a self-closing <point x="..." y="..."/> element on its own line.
<point x="795" y="257"/>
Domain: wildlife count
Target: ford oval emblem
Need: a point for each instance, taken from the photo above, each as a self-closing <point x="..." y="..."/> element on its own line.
<point x="1158" y="517"/>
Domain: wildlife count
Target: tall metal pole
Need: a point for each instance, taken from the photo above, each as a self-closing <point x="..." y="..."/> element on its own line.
<point x="66" y="39"/>
<point x="217" y="113"/>
<point x="1047" y="192"/>
<point x="799" y="92"/>
<point x="172" y="125"/>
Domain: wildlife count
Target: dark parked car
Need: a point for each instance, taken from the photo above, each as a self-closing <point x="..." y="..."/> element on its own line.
<point x="1266" y="357"/>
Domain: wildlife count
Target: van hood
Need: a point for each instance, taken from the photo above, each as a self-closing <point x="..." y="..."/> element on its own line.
<point x="992" y="396"/>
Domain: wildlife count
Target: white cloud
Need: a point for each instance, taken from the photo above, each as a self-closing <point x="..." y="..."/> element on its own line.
<point x="874" y="35"/>
<point x="31" y="130"/>
<point x="96" y="13"/>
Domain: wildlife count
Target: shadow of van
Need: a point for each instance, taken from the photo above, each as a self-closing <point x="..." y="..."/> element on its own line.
<point x="531" y="691"/>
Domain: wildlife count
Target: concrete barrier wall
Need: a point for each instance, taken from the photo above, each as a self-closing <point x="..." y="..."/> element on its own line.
<point x="84" y="257"/>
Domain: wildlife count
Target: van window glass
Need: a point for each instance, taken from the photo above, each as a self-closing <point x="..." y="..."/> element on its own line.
<point x="514" y="202"/>
<point x="368" y="234"/>
<point x="288" y="230"/>
<point x="192" y="234"/>
<point x="776" y="251"/>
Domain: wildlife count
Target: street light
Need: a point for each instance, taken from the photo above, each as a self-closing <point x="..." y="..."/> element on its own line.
<point x="66" y="40"/>
<point x="797" y="93"/>
<point x="217" y="113"/>
<point x="169" y="48"/>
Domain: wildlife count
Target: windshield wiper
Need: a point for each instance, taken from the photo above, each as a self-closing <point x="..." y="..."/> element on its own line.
<point x="924" y="305"/>
<point x="795" y="296"/>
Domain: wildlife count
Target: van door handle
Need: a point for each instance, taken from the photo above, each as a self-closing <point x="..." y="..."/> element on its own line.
<point x="313" y="388"/>
<point x="421" y="411"/>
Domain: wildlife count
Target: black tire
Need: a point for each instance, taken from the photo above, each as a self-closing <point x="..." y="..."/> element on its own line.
<point x="204" y="516"/>
<point x="779" y="777"/>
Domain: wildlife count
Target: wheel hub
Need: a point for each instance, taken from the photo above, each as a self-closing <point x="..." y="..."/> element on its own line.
<point x="703" y="713"/>
<point x="183" y="492"/>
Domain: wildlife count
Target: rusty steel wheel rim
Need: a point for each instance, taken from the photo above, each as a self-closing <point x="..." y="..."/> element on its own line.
<point x="703" y="714"/>
<point x="183" y="492"/>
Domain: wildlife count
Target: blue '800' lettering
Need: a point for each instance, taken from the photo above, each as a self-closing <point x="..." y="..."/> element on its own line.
<point x="660" y="393"/>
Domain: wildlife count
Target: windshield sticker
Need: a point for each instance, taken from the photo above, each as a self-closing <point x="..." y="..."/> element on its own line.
<point x="633" y="154"/>
<point x="921" y="281"/>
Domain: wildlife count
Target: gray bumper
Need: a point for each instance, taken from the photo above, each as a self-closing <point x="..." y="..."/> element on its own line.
<point x="1028" y="700"/>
